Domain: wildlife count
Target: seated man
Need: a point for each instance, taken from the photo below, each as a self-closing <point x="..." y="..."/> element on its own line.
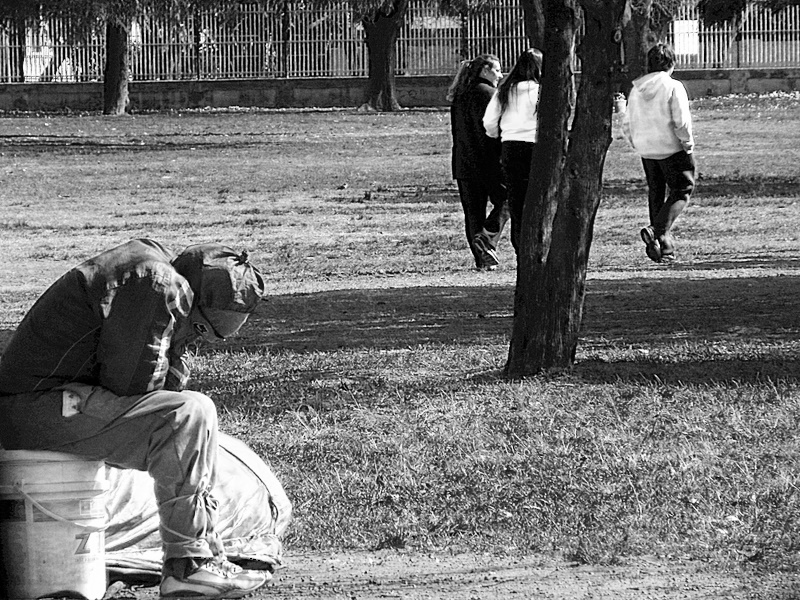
<point x="96" y="369"/>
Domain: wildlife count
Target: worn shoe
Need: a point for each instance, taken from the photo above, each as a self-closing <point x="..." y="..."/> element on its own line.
<point x="211" y="579"/>
<point x="667" y="245"/>
<point x="652" y="247"/>
<point x="488" y="254"/>
<point x="667" y="259"/>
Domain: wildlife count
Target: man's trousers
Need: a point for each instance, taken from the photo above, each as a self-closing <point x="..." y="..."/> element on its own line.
<point x="171" y="435"/>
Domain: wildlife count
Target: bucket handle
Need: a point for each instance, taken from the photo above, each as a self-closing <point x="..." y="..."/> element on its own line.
<point x="19" y="488"/>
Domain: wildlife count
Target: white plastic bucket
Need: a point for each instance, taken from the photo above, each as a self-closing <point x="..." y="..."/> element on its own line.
<point x="52" y="521"/>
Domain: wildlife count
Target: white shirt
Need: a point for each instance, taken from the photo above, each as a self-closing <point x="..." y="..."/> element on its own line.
<point x="657" y="122"/>
<point x="520" y="120"/>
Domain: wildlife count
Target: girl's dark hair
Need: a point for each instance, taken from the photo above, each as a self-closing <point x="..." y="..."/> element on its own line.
<point x="527" y="68"/>
<point x="660" y="57"/>
<point x="469" y="71"/>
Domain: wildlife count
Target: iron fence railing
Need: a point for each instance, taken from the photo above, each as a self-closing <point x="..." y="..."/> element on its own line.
<point x="760" y="39"/>
<point x="301" y="41"/>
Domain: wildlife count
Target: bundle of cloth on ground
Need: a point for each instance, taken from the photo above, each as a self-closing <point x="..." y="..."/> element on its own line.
<point x="254" y="513"/>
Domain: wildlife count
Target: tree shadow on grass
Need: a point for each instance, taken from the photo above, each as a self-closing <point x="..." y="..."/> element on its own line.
<point x="649" y="315"/>
<point x="646" y="314"/>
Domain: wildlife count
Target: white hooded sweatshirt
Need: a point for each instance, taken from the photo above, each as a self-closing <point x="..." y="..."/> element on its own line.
<point x="657" y="122"/>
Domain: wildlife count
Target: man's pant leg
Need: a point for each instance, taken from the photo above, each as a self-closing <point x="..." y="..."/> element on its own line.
<point x="656" y="188"/>
<point x="171" y="435"/>
<point x="679" y="174"/>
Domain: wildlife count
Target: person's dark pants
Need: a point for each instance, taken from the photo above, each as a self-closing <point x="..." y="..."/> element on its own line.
<point x="515" y="161"/>
<point x="476" y="194"/>
<point x="676" y="172"/>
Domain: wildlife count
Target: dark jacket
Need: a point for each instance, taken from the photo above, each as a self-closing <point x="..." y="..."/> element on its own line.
<point x="475" y="154"/>
<point x="111" y="322"/>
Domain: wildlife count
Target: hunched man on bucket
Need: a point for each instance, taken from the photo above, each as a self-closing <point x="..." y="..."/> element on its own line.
<point x="97" y="369"/>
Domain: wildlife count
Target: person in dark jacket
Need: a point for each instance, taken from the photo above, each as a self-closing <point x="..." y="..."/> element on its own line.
<point x="476" y="158"/>
<point x="97" y="368"/>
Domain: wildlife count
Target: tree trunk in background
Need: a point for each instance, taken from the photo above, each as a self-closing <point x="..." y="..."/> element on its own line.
<point x="18" y="57"/>
<point x="380" y="33"/>
<point x="533" y="11"/>
<point x="115" y="76"/>
<point x="566" y="175"/>
<point x="639" y="36"/>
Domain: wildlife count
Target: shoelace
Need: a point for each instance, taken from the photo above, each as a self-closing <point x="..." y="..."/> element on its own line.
<point x="224" y="567"/>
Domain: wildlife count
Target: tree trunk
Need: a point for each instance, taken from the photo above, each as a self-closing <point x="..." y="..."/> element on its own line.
<point x="380" y="34"/>
<point x="18" y="50"/>
<point x="566" y="183"/>
<point x="115" y="77"/>
<point x="638" y="38"/>
<point x="533" y="12"/>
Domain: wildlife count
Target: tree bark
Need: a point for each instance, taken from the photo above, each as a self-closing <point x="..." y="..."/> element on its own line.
<point x="18" y="57"/>
<point x="380" y="34"/>
<point x="117" y="69"/>
<point x="637" y="39"/>
<point x="566" y="184"/>
<point x="533" y="12"/>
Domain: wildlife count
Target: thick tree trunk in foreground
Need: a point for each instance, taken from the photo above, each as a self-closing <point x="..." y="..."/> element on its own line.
<point x="380" y="32"/>
<point x="115" y="76"/>
<point x="566" y="183"/>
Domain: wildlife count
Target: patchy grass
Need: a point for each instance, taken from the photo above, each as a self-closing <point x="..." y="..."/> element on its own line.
<point x="370" y="378"/>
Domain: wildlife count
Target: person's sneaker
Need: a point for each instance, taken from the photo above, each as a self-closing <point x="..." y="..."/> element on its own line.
<point x="485" y="267"/>
<point x="488" y="254"/>
<point x="667" y="259"/>
<point x="652" y="247"/>
<point x="210" y="579"/>
<point x="667" y="244"/>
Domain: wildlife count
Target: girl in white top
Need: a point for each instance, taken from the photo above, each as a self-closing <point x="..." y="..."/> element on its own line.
<point x="513" y="116"/>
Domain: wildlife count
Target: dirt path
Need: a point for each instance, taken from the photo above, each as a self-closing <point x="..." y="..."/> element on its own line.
<point x="406" y="576"/>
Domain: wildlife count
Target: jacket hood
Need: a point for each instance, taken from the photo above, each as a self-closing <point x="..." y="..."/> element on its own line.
<point x="649" y="85"/>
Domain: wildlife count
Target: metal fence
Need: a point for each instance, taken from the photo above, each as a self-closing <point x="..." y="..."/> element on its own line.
<point x="299" y="41"/>
<point x="760" y="39"/>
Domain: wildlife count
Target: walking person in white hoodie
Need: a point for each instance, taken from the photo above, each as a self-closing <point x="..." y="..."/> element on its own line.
<point x="658" y="124"/>
<point x="513" y="116"/>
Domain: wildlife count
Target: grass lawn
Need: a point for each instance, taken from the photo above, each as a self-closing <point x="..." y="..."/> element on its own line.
<point x="371" y="377"/>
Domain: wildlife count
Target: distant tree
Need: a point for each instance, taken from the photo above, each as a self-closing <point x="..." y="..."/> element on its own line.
<point x="115" y="18"/>
<point x="17" y="17"/>
<point x="382" y="21"/>
<point x="645" y="23"/>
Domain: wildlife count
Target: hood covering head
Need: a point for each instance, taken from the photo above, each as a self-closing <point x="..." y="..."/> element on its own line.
<point x="227" y="287"/>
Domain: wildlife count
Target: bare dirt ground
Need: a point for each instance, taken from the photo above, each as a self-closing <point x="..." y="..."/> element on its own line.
<point x="415" y="576"/>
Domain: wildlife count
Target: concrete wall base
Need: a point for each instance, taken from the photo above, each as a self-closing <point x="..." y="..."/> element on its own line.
<point x="413" y="92"/>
